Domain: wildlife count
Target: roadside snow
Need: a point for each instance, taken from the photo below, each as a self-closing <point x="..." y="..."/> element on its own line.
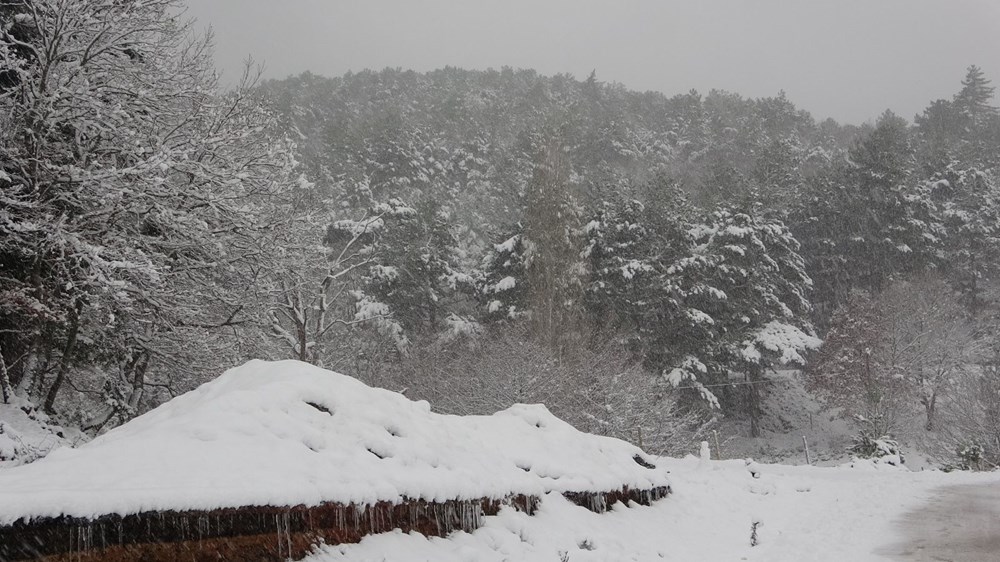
<point x="803" y="513"/>
<point x="27" y="434"/>
<point x="288" y="433"/>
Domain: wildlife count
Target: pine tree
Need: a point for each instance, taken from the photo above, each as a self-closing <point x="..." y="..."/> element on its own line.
<point x="416" y="272"/>
<point x="869" y="221"/>
<point x="974" y="100"/>
<point x="981" y="121"/>
<point x="629" y="247"/>
<point x="535" y="272"/>
<point x="764" y="319"/>
<point x="551" y="224"/>
<point x="619" y="253"/>
<point x="698" y="302"/>
<point x="503" y="284"/>
<point x="970" y="213"/>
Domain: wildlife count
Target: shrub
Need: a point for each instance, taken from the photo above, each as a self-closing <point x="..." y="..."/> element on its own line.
<point x="971" y="456"/>
<point x="884" y="449"/>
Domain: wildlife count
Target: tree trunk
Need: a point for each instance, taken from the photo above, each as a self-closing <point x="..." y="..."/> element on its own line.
<point x="6" y="392"/>
<point x="138" y="381"/>
<point x="13" y="348"/>
<point x="64" y="362"/>
<point x="431" y="312"/>
<point x="34" y="380"/>
<point x="28" y="387"/>
<point x="302" y="334"/>
<point x="930" y="407"/>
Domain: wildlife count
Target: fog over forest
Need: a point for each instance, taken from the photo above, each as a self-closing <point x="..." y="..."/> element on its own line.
<point x="847" y="60"/>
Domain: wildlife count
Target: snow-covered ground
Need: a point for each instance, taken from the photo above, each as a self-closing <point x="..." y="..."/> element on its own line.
<point x="288" y="433"/>
<point x="803" y="513"/>
<point x="27" y="434"/>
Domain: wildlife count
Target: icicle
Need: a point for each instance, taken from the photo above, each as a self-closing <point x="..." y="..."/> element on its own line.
<point x="283" y="525"/>
<point x="288" y="531"/>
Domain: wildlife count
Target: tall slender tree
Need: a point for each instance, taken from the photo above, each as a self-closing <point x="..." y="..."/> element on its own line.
<point x="976" y="96"/>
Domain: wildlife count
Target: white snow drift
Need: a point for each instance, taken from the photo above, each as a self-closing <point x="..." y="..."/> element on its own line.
<point x="288" y="433"/>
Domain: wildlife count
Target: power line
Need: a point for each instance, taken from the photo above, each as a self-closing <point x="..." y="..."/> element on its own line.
<point x="715" y="385"/>
<point x="743" y="383"/>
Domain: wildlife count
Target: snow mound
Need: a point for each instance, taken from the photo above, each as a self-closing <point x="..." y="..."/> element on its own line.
<point x="288" y="433"/>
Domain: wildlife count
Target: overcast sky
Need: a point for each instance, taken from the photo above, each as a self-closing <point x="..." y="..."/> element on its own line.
<point x="847" y="59"/>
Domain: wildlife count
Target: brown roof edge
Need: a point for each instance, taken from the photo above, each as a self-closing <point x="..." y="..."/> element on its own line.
<point x="262" y="532"/>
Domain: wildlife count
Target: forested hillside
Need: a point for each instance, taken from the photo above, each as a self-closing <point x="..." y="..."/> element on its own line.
<point x="712" y="236"/>
<point x="638" y="262"/>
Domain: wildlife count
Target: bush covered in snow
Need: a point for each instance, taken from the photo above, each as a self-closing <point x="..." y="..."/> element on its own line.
<point x="882" y="449"/>
<point x="970" y="457"/>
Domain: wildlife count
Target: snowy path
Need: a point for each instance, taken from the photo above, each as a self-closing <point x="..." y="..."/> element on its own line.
<point x="958" y="524"/>
<point x="805" y="513"/>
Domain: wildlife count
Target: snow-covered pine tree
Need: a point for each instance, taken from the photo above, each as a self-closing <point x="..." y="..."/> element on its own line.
<point x="975" y="98"/>
<point x="502" y="283"/>
<point x="699" y="301"/>
<point x="416" y="272"/>
<point x="765" y="321"/>
<point x="969" y="209"/>
<point x="940" y="130"/>
<point x="869" y="221"/>
<point x="552" y="226"/>
<point x="619" y="254"/>
<point x="536" y="271"/>
<point x="963" y="132"/>
<point x="742" y="308"/>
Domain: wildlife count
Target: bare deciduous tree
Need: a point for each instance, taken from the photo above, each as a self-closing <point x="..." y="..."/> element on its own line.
<point x="857" y="369"/>
<point x="134" y="189"/>
<point x="316" y="289"/>
<point x="931" y="338"/>
<point x="595" y="387"/>
<point x="908" y="343"/>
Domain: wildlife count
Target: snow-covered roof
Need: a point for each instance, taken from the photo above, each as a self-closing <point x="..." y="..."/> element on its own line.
<point x="288" y="433"/>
